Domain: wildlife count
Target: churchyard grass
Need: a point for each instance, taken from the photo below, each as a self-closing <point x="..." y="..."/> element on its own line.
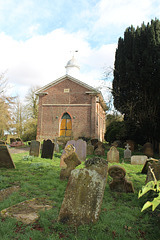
<point x="120" y="218"/>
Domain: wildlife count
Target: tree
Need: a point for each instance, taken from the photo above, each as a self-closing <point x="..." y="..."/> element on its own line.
<point x="31" y="114"/>
<point x="6" y="103"/>
<point x="136" y="81"/>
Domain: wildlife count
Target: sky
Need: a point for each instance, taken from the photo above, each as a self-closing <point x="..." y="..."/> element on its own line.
<point x="39" y="37"/>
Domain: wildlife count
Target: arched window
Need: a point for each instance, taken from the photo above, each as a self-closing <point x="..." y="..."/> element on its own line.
<point x="66" y="125"/>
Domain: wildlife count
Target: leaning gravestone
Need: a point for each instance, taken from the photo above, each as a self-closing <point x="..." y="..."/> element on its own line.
<point x="155" y="166"/>
<point x="48" y="149"/>
<point x="138" y="159"/>
<point x="119" y="182"/>
<point x="84" y="193"/>
<point x="34" y="148"/>
<point x="72" y="161"/>
<point x="127" y="153"/>
<point x="80" y="149"/>
<point x="113" y="155"/>
<point x="147" y="164"/>
<point x="5" y="158"/>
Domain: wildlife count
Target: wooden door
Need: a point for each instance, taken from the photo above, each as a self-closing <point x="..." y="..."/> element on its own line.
<point x="66" y="125"/>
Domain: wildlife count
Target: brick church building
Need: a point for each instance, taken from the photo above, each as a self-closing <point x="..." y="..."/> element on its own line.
<point x="70" y="108"/>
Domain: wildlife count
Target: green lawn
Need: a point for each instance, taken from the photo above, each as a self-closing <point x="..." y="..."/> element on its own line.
<point x="120" y="216"/>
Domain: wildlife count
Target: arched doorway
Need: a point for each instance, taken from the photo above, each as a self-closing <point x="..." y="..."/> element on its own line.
<point x="66" y="125"/>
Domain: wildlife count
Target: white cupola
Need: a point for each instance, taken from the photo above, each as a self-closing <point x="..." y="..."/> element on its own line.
<point x="72" y="68"/>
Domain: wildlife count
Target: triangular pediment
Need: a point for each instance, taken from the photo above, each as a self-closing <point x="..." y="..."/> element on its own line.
<point x="61" y="79"/>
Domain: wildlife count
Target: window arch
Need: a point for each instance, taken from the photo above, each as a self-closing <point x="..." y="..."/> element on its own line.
<point x="65" y="125"/>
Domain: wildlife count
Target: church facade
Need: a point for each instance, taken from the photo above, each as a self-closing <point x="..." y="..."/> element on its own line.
<point x="70" y="108"/>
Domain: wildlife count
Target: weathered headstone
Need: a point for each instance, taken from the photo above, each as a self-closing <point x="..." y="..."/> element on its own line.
<point x="127" y="153"/>
<point x="72" y="161"/>
<point x="80" y="149"/>
<point x="155" y="166"/>
<point x="99" y="149"/>
<point x="138" y="159"/>
<point x="113" y="155"/>
<point x="94" y="141"/>
<point x="34" y="148"/>
<point x="84" y="193"/>
<point x="90" y="149"/>
<point x="131" y="144"/>
<point x="69" y="149"/>
<point x="119" y="182"/>
<point x="48" y="149"/>
<point x="147" y="164"/>
<point x="27" y="211"/>
<point x="5" y="158"/>
<point x="148" y="149"/>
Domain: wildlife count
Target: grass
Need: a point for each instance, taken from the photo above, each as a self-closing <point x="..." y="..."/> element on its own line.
<point x="120" y="216"/>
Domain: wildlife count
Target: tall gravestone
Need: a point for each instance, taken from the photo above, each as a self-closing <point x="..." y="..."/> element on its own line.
<point x="47" y="149"/>
<point x="113" y="155"/>
<point x="34" y="148"/>
<point x="5" y="158"/>
<point x="84" y="193"/>
<point x="127" y="153"/>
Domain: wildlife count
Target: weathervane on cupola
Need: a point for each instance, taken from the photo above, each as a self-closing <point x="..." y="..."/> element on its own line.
<point x="72" y="67"/>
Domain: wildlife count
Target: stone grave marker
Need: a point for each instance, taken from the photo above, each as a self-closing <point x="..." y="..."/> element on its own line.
<point x="113" y="155"/>
<point x="99" y="149"/>
<point x="72" y="161"/>
<point x="5" y="158"/>
<point x="147" y="164"/>
<point x="90" y="149"/>
<point x="131" y="144"/>
<point x="48" y="149"/>
<point x="56" y="146"/>
<point x="155" y="166"/>
<point x="127" y="153"/>
<point x="138" y="159"/>
<point x="34" y="148"/>
<point x="27" y="211"/>
<point x="69" y="149"/>
<point x="80" y="149"/>
<point x="119" y="182"/>
<point x="84" y="193"/>
<point x="148" y="149"/>
<point x="4" y="193"/>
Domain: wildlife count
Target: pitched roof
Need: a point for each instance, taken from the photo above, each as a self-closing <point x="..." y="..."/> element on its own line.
<point x="61" y="79"/>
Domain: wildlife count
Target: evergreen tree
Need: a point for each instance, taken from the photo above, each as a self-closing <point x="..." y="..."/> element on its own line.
<point x="136" y="84"/>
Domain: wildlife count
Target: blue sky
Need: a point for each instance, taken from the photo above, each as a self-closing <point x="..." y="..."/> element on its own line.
<point x="37" y="37"/>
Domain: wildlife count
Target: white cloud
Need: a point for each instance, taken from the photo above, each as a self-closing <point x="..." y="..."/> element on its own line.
<point x="42" y="59"/>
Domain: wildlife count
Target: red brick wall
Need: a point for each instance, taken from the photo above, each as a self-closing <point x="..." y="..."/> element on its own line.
<point x="56" y="102"/>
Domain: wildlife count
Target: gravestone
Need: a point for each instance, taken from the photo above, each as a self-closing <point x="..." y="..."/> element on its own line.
<point x="99" y="149"/>
<point x="138" y="159"/>
<point x="155" y="166"/>
<point x="131" y="143"/>
<point x="94" y="141"/>
<point x="113" y="155"/>
<point x="34" y="148"/>
<point x="147" y="164"/>
<point x="148" y="149"/>
<point x="69" y="149"/>
<point x="119" y="182"/>
<point x="80" y="149"/>
<point x="72" y="161"/>
<point x="84" y="193"/>
<point x="127" y="153"/>
<point x="48" y="149"/>
<point x="5" y="158"/>
<point x="56" y="146"/>
<point x="90" y="149"/>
